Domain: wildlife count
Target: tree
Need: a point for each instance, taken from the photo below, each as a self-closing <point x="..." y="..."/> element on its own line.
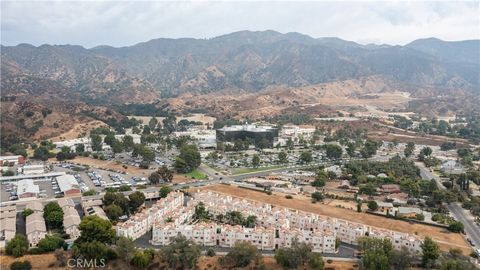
<point x="241" y="255"/>
<point x="80" y="148"/>
<point x="96" y="142"/>
<point x="137" y="199"/>
<point x="306" y="157"/>
<point x="295" y="256"/>
<point x="17" y="246"/>
<point x="188" y="159"/>
<point x="333" y="151"/>
<point x="320" y="179"/>
<point x="128" y="143"/>
<point x="317" y="196"/>
<point x="400" y="259"/>
<point x="113" y="212"/>
<point x="94" y="250"/>
<point x="50" y="243"/>
<point x="250" y="221"/>
<point x="42" y="153"/>
<point x="282" y="157"/>
<point x="181" y="253"/>
<point x="164" y="190"/>
<point x="430" y="252"/>
<point x="154" y="178"/>
<point x="316" y="261"/>
<point x="255" y="161"/>
<point x="109" y="139"/>
<point x="125" y="248"/>
<point x="141" y="259"/>
<point x="409" y="149"/>
<point x="94" y="228"/>
<point x="20" y="265"/>
<point x="165" y="173"/>
<point x="200" y="212"/>
<point x="369" y="149"/>
<point x="376" y="252"/>
<point x="456" y="226"/>
<point x="351" y="147"/>
<point x="153" y="123"/>
<point x="117" y="146"/>
<point x="26" y="212"/>
<point x="290" y="144"/>
<point x="372" y="205"/>
<point x="426" y="151"/>
<point x="53" y="215"/>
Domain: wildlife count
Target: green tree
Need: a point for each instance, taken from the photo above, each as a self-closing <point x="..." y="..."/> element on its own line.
<point x="376" y="253"/>
<point x="241" y="255"/>
<point x="94" y="228"/>
<point x="128" y="143"/>
<point x="50" y="243"/>
<point x="250" y="221"/>
<point x="255" y="161"/>
<point x="80" y="148"/>
<point x="53" y="215"/>
<point x="200" y="212"/>
<point x="409" y="149"/>
<point x="164" y="190"/>
<point x="154" y="178"/>
<point x="109" y="139"/>
<point x="153" y="123"/>
<point x="296" y="256"/>
<point x="96" y="142"/>
<point x="320" y="179"/>
<point x="430" y="252"/>
<point x="372" y="205"/>
<point x="282" y="157"/>
<point x="141" y="259"/>
<point x="117" y="146"/>
<point x="333" y="151"/>
<point x="17" y="246"/>
<point x="181" y="253"/>
<point x="426" y="151"/>
<point x="92" y="250"/>
<point x="306" y="157"/>
<point x="125" y="248"/>
<point x="188" y="159"/>
<point x="317" y="196"/>
<point x="136" y="199"/>
<point x="400" y="259"/>
<point x="351" y="147"/>
<point x="27" y="212"/>
<point x="165" y="173"/>
<point x="369" y="149"/>
<point x="456" y="226"/>
<point x="290" y="144"/>
<point x="113" y="212"/>
<point x="42" y="153"/>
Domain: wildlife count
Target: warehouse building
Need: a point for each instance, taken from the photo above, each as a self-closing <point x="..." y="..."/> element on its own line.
<point x="68" y="185"/>
<point x="27" y="189"/>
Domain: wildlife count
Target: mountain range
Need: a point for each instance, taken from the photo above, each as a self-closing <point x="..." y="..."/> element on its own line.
<point x="246" y="61"/>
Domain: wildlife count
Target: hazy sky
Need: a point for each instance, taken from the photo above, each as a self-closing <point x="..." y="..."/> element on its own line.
<point x="126" y="23"/>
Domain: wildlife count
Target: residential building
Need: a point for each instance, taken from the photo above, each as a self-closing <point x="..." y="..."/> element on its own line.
<point x="390" y="188"/>
<point x="8" y="222"/>
<point x="71" y="218"/>
<point x="35" y="228"/>
<point x="35" y="206"/>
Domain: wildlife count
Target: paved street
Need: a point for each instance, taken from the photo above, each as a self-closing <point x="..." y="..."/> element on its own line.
<point x="471" y="228"/>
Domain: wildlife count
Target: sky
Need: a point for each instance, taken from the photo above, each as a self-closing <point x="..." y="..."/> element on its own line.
<point x="123" y="23"/>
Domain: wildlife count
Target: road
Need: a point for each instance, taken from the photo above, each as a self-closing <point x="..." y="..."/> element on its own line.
<point x="471" y="228"/>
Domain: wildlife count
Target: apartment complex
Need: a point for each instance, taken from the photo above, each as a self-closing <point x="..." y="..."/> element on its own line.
<point x="71" y="218"/>
<point x="7" y="223"/>
<point x="143" y="221"/>
<point x="36" y="228"/>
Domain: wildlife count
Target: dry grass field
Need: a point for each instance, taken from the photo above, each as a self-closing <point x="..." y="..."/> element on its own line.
<point x="445" y="239"/>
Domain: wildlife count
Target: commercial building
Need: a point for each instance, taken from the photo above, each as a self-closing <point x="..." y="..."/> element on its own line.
<point x="33" y="169"/>
<point x="11" y="160"/>
<point x="205" y="139"/>
<point x="257" y="134"/>
<point x="35" y="228"/>
<point x="68" y="185"/>
<point x="27" y="189"/>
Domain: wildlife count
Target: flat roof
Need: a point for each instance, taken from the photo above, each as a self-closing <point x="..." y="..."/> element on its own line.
<point x="67" y="182"/>
<point x="27" y="186"/>
<point x="31" y="176"/>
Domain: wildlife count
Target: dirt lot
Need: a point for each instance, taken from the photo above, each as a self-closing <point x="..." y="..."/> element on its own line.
<point x="78" y="130"/>
<point x="445" y="239"/>
<point x="110" y="165"/>
<point x="38" y="261"/>
<point x="211" y="263"/>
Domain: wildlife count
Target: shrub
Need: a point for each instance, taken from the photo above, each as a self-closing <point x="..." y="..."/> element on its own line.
<point x="288" y="197"/>
<point x="25" y="265"/>
<point x="210" y="252"/>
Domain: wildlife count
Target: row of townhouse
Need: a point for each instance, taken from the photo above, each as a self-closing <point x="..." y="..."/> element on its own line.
<point x="35" y="224"/>
<point x="224" y="235"/>
<point x="140" y="223"/>
<point x="71" y="218"/>
<point x="8" y="222"/>
<point x="279" y="217"/>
